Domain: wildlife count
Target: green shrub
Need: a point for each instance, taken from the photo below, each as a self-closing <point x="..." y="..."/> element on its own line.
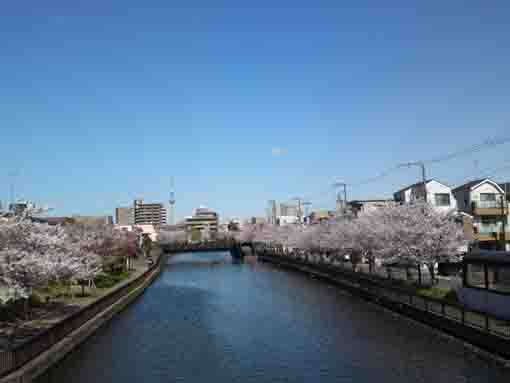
<point x="438" y="293"/>
<point x="107" y="280"/>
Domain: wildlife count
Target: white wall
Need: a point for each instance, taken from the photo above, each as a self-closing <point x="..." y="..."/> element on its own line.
<point x="288" y="220"/>
<point x="486" y="187"/>
<point x="434" y="187"/>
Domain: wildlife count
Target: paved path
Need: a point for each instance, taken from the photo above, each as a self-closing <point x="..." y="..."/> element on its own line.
<point x="60" y="308"/>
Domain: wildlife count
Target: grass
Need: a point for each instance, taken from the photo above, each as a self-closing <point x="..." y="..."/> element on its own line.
<point x="108" y="280"/>
<point x="438" y="293"/>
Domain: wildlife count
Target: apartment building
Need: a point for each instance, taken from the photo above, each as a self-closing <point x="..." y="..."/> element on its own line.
<point x="125" y="216"/>
<point x="203" y="219"/>
<point x="149" y="213"/>
<point x="486" y="202"/>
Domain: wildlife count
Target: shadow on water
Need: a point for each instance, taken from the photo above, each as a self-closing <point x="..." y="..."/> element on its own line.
<point x="209" y="318"/>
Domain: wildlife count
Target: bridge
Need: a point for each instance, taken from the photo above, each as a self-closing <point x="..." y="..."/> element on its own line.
<point x="233" y="247"/>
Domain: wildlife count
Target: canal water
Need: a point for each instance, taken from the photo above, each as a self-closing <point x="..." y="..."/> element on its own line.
<point x="211" y="319"/>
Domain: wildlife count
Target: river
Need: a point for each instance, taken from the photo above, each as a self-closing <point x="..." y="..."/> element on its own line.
<point x="211" y="319"/>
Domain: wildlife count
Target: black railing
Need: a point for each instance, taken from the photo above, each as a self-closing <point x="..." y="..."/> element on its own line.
<point x="486" y="330"/>
<point x="10" y="360"/>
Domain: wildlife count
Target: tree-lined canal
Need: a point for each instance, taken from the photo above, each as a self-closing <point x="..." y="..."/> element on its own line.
<point x="209" y="319"/>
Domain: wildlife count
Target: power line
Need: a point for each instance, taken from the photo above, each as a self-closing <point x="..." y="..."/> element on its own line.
<point x="488" y="143"/>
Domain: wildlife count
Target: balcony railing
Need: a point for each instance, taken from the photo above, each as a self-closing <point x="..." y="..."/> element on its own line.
<point x="488" y="204"/>
<point x="488" y="229"/>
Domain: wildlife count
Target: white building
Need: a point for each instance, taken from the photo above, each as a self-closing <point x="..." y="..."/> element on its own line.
<point x="288" y="220"/>
<point x="485" y="200"/>
<point x="437" y="194"/>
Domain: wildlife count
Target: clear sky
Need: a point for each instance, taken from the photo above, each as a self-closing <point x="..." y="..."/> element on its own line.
<point x="242" y="102"/>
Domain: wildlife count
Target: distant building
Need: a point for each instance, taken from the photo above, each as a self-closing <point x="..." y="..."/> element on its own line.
<point x="203" y="219"/>
<point x="257" y="220"/>
<point x="93" y="220"/>
<point x="320" y="215"/>
<point x="149" y="213"/>
<point x="20" y="207"/>
<point x="359" y="207"/>
<point x="125" y="216"/>
<point x="289" y="210"/>
<point x="54" y="221"/>
<point x="284" y="220"/>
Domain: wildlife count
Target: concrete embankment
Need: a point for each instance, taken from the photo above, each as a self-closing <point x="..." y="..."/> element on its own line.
<point x="483" y="343"/>
<point x="35" y="367"/>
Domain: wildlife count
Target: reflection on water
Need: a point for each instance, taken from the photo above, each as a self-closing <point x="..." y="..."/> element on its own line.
<point x="210" y="319"/>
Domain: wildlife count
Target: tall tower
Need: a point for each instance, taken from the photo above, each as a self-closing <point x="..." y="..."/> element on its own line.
<point x="171" y="213"/>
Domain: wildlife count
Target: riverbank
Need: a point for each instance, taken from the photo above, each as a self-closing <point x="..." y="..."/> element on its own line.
<point x="448" y="318"/>
<point x="30" y="359"/>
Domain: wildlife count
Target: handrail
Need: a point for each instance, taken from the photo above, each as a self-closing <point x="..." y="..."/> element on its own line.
<point x="25" y="351"/>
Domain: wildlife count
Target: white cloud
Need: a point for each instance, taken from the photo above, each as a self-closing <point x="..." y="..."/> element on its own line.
<point x="278" y="152"/>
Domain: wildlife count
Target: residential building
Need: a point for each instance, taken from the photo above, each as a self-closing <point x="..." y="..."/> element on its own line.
<point x="149" y="213"/>
<point x="284" y="220"/>
<point x="203" y="219"/>
<point x="289" y="210"/>
<point x="54" y="221"/>
<point x="125" y="216"/>
<point x="437" y="194"/>
<point x="318" y="216"/>
<point x="257" y="220"/>
<point x="485" y="201"/>
<point x="93" y="220"/>
<point x="20" y="207"/>
<point x="359" y="207"/>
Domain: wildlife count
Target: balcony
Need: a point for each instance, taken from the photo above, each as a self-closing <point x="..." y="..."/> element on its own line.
<point x="490" y="232"/>
<point x="489" y="208"/>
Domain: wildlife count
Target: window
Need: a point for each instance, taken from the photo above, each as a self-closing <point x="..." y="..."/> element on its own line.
<point x="487" y="197"/>
<point x="442" y="199"/>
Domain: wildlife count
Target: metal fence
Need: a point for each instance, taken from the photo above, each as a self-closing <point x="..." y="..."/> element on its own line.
<point x="380" y="288"/>
<point x="13" y="359"/>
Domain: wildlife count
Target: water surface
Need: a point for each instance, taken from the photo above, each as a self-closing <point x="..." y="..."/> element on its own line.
<point x="210" y="319"/>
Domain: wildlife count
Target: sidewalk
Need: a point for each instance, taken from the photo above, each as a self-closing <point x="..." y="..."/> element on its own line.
<point x="60" y="308"/>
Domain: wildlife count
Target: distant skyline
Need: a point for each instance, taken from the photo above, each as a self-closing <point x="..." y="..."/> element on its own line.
<point x="103" y="103"/>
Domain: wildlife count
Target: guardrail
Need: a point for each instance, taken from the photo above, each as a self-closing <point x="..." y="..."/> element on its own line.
<point x="479" y="328"/>
<point x="11" y="360"/>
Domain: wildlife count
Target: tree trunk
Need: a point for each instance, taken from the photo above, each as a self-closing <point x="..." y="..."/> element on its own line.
<point x="419" y="275"/>
<point x="432" y="272"/>
<point x="408" y="273"/>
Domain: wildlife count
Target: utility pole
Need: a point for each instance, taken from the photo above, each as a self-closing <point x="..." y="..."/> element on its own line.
<point x="504" y="214"/>
<point x="421" y="164"/>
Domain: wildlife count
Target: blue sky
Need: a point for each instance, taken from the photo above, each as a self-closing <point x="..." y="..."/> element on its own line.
<point x="103" y="102"/>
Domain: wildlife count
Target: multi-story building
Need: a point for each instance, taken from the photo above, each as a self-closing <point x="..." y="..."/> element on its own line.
<point x="318" y="216"/>
<point x="20" y="207"/>
<point x="485" y="201"/>
<point x="439" y="195"/>
<point x="125" y="216"/>
<point x="359" y="207"/>
<point x="289" y="210"/>
<point x="149" y="213"/>
<point x="93" y="220"/>
<point x="203" y="219"/>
